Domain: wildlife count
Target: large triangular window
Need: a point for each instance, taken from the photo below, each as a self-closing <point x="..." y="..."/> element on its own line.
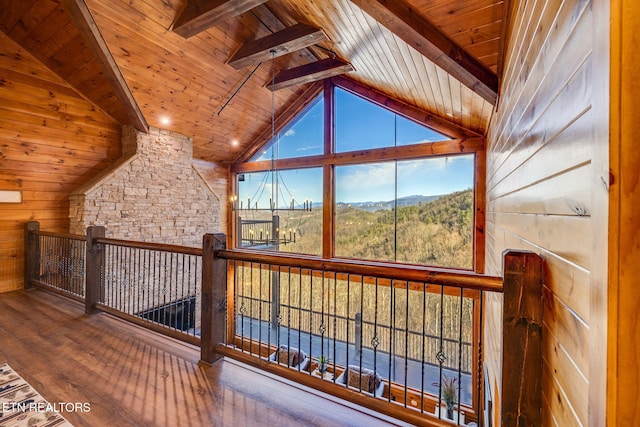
<point x="303" y="136"/>
<point x="361" y="125"/>
<point x="382" y="185"/>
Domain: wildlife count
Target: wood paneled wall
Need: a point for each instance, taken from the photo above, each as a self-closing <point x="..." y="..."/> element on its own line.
<point x="547" y="192"/>
<point x="51" y="141"/>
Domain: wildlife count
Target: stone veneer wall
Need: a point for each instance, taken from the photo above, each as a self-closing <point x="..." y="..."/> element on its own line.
<point x="152" y="194"/>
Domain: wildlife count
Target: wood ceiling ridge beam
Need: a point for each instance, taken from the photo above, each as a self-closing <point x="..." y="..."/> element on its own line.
<point x="313" y="52"/>
<point x="322" y="69"/>
<point x="277" y="44"/>
<point x="87" y="27"/>
<point x="407" y="24"/>
<point x="200" y="15"/>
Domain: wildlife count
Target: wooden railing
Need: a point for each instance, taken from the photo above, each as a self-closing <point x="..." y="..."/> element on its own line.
<point x="55" y="261"/>
<point x="156" y="286"/>
<point x="261" y="317"/>
<point x="249" y="318"/>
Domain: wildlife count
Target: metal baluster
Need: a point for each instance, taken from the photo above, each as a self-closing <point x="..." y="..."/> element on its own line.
<point x="392" y="334"/>
<point x="251" y="310"/>
<point x="460" y="357"/>
<point x="335" y="322"/>
<point x="152" y="276"/>
<point x="347" y="321"/>
<point x="424" y="331"/>
<point x="361" y="314"/>
<point x="115" y="282"/>
<point x="67" y="263"/>
<point x="441" y="355"/>
<point x="274" y="304"/>
<point x="310" y="311"/>
<point x="260" y="312"/>
<point x="144" y="273"/>
<point x="55" y="278"/>
<point x="116" y="276"/>
<point x="375" y="341"/>
<point x="406" y="342"/>
<point x="300" y="313"/>
<point x="128" y="282"/>
<point x="269" y="305"/>
<point x="178" y="300"/>
<point x="322" y="327"/>
<point x="242" y="305"/>
<point x="289" y="311"/>
<point x="173" y="290"/>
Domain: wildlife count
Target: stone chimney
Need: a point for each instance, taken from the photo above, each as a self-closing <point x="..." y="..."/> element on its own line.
<point x="152" y="194"/>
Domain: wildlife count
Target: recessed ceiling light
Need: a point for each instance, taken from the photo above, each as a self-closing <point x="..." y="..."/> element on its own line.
<point x="234" y="142"/>
<point x="165" y="120"/>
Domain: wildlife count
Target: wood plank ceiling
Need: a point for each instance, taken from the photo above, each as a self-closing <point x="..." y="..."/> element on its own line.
<point x="190" y="82"/>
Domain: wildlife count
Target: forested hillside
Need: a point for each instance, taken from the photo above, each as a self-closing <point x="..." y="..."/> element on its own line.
<point x="438" y="232"/>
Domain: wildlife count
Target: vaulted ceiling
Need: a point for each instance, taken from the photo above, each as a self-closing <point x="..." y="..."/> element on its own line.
<point x="128" y="58"/>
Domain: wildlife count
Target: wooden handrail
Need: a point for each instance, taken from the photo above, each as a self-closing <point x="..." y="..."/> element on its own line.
<point x="187" y="250"/>
<point x="61" y="235"/>
<point x="414" y="273"/>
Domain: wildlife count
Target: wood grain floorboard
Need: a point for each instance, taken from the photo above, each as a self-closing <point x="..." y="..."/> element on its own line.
<point x="132" y="377"/>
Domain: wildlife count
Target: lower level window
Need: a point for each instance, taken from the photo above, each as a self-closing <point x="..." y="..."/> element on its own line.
<point x="416" y="211"/>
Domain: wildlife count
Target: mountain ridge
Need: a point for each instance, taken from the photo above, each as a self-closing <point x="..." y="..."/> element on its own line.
<point x="371" y="206"/>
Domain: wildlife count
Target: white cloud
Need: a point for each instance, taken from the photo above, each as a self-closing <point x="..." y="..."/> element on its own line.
<point x="290" y="132"/>
<point x="367" y="181"/>
<point x="307" y="147"/>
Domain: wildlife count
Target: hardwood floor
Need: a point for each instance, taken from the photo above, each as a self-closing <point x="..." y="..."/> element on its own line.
<point x="132" y="377"/>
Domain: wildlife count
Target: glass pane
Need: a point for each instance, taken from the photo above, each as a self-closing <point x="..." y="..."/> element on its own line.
<point x="408" y="133"/>
<point x="303" y="136"/>
<point x="416" y="211"/>
<point x="282" y="215"/>
<point x="364" y="223"/>
<point x="435" y="211"/>
<point x="361" y="124"/>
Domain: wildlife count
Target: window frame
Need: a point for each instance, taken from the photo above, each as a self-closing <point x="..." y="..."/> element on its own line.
<point x="463" y="142"/>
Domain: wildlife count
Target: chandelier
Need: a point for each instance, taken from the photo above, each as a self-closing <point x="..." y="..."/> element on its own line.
<point x="262" y="232"/>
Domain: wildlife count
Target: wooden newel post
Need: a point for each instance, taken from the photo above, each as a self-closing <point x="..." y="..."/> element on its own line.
<point x="214" y="297"/>
<point x="31" y="253"/>
<point x="94" y="263"/>
<point x="522" y="339"/>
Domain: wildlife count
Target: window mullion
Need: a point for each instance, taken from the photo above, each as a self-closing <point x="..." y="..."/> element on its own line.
<point x="328" y="182"/>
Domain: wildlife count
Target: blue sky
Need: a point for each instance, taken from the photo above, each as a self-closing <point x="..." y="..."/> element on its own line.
<point x="359" y="125"/>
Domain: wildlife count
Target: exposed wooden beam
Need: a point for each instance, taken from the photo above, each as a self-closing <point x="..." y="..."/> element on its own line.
<point x="288" y="40"/>
<point x="312" y="72"/>
<point x="87" y="26"/>
<point x="406" y="23"/>
<point x="269" y="14"/>
<point x="373" y="155"/>
<point x="199" y="15"/>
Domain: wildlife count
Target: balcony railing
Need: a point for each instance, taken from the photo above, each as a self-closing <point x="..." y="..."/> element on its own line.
<point x="153" y="285"/>
<point x="413" y="329"/>
<point x="60" y="263"/>
<point x="388" y="337"/>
